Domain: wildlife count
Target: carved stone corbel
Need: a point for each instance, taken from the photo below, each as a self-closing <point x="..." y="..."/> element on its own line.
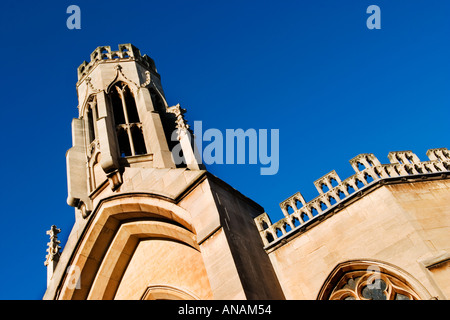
<point x="115" y="179"/>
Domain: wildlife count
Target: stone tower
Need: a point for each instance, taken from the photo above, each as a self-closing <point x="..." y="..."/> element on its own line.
<point x="147" y="225"/>
<point x="152" y="223"/>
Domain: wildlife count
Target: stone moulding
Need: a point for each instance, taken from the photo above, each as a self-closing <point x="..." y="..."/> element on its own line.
<point x="300" y="215"/>
<point x="105" y="54"/>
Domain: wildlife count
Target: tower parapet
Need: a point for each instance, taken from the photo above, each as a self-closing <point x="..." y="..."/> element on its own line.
<point x="123" y="122"/>
<point x="300" y="215"/>
<point x="126" y="52"/>
<point x="141" y="196"/>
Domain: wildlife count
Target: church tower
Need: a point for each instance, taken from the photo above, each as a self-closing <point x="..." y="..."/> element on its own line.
<point x="151" y="222"/>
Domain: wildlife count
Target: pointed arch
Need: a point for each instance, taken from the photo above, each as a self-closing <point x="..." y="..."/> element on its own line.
<point x="166" y="292"/>
<point x="124" y="110"/>
<point x="121" y="250"/>
<point x="88" y="99"/>
<point x="120" y="77"/>
<point x="89" y="113"/>
<point x="152" y="216"/>
<point x="371" y="280"/>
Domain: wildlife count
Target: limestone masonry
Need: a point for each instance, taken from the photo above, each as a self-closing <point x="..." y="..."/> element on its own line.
<point x="147" y="227"/>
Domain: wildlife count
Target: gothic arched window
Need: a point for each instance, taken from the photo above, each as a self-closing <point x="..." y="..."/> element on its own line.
<point x="91" y="115"/>
<point x="126" y="119"/>
<point x="367" y="280"/>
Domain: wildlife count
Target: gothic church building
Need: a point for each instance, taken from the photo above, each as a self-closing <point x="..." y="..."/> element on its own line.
<point x="148" y="227"/>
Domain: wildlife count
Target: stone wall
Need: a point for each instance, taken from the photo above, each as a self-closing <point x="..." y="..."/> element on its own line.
<point x="405" y="224"/>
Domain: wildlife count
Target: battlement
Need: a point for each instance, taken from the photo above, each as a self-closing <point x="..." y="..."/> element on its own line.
<point x="126" y="52"/>
<point x="332" y="191"/>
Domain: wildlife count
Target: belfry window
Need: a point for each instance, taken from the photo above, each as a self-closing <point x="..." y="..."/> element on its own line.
<point x="92" y="116"/>
<point x="127" y="122"/>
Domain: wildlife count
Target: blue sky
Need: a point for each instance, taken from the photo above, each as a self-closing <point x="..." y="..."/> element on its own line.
<point x="311" y="69"/>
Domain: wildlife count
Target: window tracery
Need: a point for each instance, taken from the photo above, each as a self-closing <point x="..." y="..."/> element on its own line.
<point x="370" y="280"/>
<point x="126" y="119"/>
<point x="363" y="285"/>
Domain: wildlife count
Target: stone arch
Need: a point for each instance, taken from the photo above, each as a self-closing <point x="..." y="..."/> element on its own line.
<point x="89" y="97"/>
<point x="369" y="177"/>
<point x="337" y="285"/>
<point x="123" y="108"/>
<point x="104" y="224"/>
<point x="269" y="237"/>
<point x="298" y="203"/>
<point x="123" y="246"/>
<point x="289" y="209"/>
<point x="264" y="225"/>
<point x="165" y="292"/>
<point x="120" y="78"/>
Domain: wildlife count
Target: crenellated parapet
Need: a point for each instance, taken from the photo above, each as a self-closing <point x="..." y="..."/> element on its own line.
<point x="126" y="52"/>
<point x="333" y="191"/>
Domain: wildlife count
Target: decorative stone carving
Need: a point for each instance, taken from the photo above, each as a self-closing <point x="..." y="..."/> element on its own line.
<point x="121" y="76"/>
<point x="115" y="179"/>
<point x="91" y="86"/>
<point x="367" y="280"/>
<point x="126" y="52"/>
<point x="148" y="79"/>
<point x="403" y="164"/>
<point x="53" y="245"/>
<point x="179" y="114"/>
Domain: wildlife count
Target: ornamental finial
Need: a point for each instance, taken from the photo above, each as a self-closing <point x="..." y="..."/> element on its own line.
<point x="53" y="245"/>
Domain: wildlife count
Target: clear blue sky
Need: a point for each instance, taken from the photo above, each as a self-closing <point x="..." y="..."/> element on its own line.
<point x="309" y="68"/>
